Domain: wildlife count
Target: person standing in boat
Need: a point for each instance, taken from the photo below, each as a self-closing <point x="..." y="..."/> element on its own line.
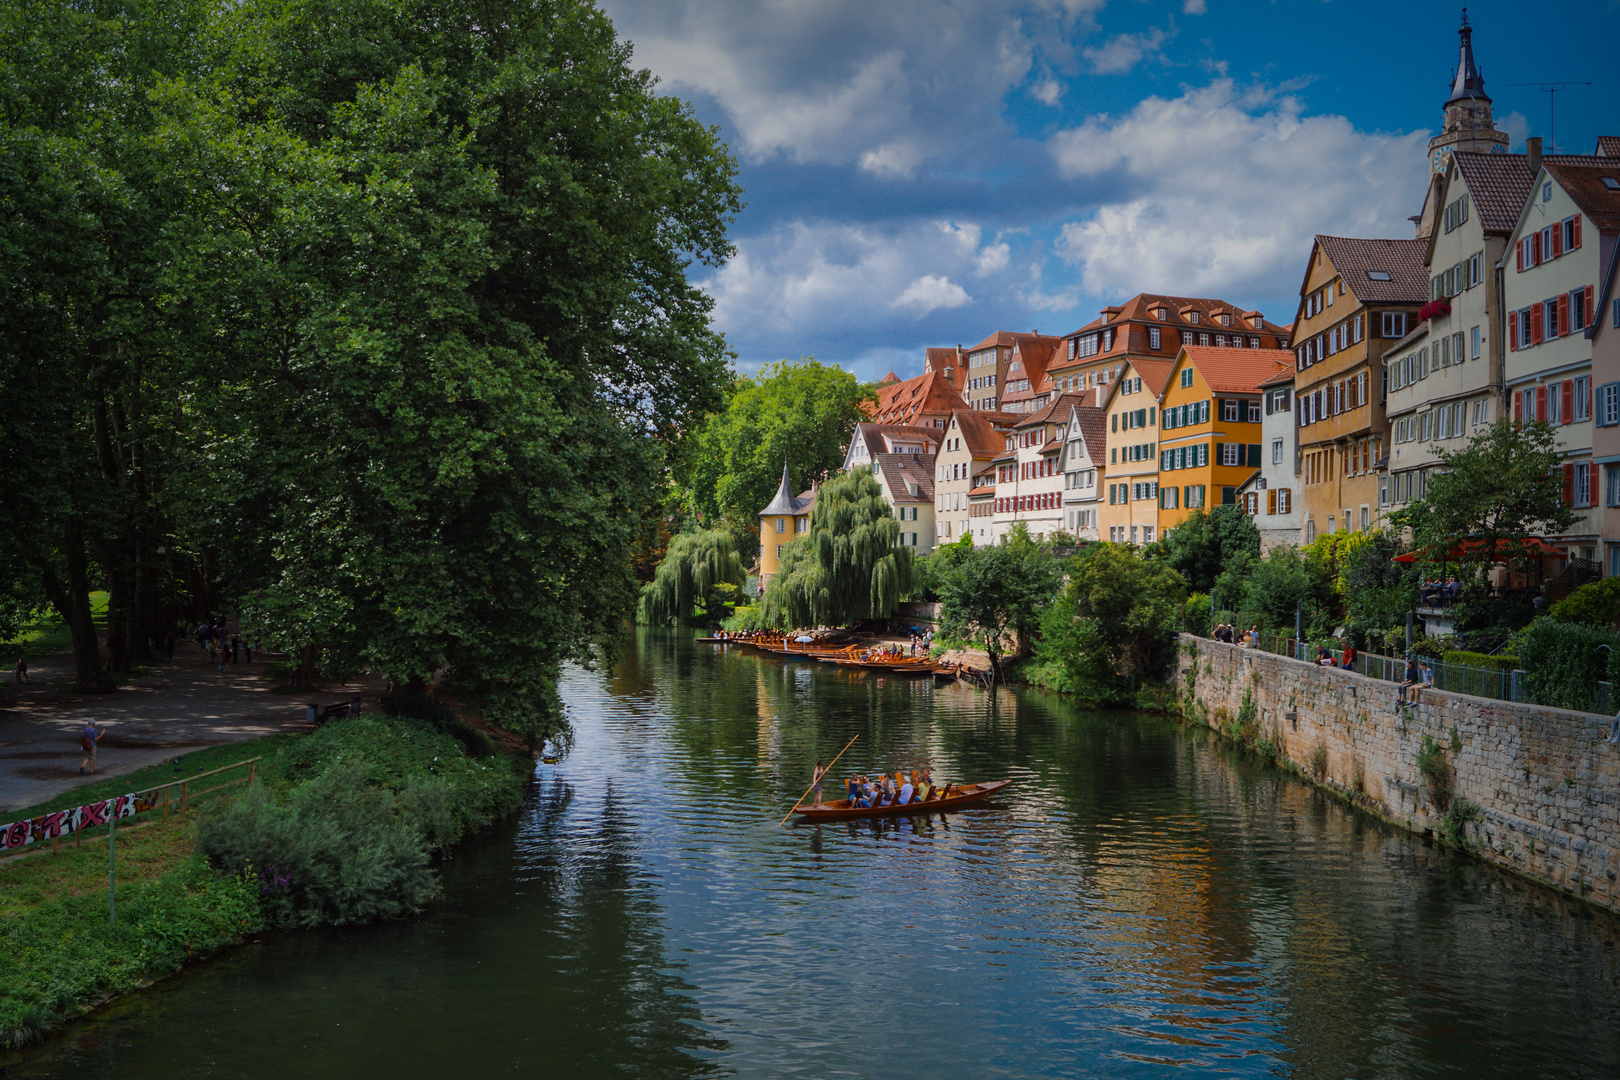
<point x="816" y="775"/>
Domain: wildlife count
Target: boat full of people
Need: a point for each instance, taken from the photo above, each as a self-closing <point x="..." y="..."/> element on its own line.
<point x="889" y="795"/>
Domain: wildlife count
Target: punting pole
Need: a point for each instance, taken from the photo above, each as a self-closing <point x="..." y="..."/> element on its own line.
<point x="824" y="773"/>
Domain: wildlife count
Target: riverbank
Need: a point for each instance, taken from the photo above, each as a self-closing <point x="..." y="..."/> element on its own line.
<point x="1527" y="788"/>
<point x="341" y="826"/>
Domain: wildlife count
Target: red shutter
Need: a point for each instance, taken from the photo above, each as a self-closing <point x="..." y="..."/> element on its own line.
<point x="1569" y="400"/>
<point x="1591" y="316"/>
<point x="1563" y="314"/>
<point x="1537" y="321"/>
<point x="1541" y="403"/>
<point x="1518" y="256"/>
<point x="1536" y="254"/>
<point x="1513" y="331"/>
<point x="1576" y="245"/>
<point x="1517" y="405"/>
<point x="1591" y="484"/>
<point x="1557" y="241"/>
<point x="1569" y="485"/>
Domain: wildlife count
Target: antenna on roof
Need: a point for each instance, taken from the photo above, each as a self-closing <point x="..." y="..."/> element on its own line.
<point x="1552" y="89"/>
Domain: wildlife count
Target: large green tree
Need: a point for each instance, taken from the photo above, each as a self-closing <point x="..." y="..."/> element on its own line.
<point x="85" y="350"/>
<point x="993" y="596"/>
<point x="1114" y="624"/>
<point x="799" y="412"/>
<point x="1501" y="490"/>
<point x="434" y="268"/>
<point x="694" y="564"/>
<point x="850" y="566"/>
<point x="1207" y="544"/>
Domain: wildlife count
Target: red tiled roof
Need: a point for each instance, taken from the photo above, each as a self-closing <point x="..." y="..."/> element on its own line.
<point x="874" y="433"/>
<point x="1154" y="373"/>
<point x="1237" y="371"/>
<point x="897" y="469"/>
<point x="1284" y="375"/>
<point x="1048" y="413"/>
<point x="952" y="360"/>
<point x="981" y="492"/>
<point x="1402" y="260"/>
<point x="1093" y="428"/>
<point x="1584" y="183"/>
<point x="979" y="434"/>
<point x="1141" y="306"/>
<point x="1608" y="146"/>
<point x="1498" y="185"/>
<point x="929" y="394"/>
<point x="1008" y="337"/>
<point x="1033" y="356"/>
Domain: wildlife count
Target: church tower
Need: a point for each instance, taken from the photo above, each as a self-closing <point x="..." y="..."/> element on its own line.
<point x="1469" y="123"/>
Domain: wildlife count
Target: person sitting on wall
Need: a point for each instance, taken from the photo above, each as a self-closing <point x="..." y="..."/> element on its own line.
<point x="1324" y="657"/>
<point x="1414" y="678"/>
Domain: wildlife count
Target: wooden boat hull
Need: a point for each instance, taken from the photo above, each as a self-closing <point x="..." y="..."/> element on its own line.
<point x="964" y="794"/>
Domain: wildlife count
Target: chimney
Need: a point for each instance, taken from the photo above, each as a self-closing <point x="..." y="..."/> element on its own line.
<point x="1533" y="146"/>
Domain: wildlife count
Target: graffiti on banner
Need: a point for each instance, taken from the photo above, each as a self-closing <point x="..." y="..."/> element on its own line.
<point x="66" y="822"/>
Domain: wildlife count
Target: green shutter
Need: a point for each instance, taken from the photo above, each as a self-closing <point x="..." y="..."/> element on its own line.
<point x="1254" y="455"/>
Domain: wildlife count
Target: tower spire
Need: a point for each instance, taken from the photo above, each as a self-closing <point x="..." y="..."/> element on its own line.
<point x="1466" y="81"/>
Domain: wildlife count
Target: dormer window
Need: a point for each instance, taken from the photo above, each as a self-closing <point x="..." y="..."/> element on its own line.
<point x="1226" y="320"/>
<point x="1192" y="317"/>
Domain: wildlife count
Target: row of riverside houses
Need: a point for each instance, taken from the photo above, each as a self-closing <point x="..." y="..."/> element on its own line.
<point x="1505" y="303"/>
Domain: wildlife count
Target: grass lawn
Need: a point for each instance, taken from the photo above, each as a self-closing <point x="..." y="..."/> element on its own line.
<point x="48" y="633"/>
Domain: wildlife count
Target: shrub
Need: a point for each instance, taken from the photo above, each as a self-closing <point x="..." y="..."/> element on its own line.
<point x="1563" y="662"/>
<point x="1597" y="604"/>
<point x="1436" y="773"/>
<point x="1495" y="661"/>
<point x="1197" y="617"/>
<point x="334" y="852"/>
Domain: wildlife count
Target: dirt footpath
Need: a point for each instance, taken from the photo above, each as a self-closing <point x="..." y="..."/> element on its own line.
<point x="178" y="705"/>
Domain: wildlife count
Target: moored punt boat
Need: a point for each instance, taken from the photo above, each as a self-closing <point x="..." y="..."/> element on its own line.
<point x="958" y="795"/>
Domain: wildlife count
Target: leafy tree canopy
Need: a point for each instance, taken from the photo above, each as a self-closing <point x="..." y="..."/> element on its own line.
<point x="1502" y="489"/>
<point x="993" y="595"/>
<point x="1114" y="624"/>
<point x="694" y="563"/>
<point x="802" y="412"/>
<point x="1208" y="543"/>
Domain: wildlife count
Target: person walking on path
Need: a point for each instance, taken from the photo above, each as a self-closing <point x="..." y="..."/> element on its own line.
<point x="21" y="670"/>
<point x="90" y="739"/>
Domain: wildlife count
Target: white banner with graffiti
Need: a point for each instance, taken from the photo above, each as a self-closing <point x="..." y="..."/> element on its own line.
<point x="66" y="822"/>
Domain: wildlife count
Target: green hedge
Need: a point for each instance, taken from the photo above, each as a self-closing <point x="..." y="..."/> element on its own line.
<point x="1481" y="660"/>
<point x="1564" y="662"/>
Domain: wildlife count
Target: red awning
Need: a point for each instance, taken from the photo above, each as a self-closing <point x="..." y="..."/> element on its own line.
<point x="1458" y="551"/>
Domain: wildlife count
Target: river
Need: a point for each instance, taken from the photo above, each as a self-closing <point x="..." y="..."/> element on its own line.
<point x="1142" y="901"/>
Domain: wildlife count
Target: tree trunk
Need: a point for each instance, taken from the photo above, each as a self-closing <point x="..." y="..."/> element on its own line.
<point x="72" y="602"/>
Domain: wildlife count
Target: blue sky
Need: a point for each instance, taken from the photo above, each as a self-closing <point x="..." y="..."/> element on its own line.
<point x="924" y="173"/>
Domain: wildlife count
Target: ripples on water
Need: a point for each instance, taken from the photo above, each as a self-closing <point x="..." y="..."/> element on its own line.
<point x="1141" y="900"/>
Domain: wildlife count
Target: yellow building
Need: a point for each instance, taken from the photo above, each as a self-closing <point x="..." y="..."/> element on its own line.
<point x="1209" y="426"/>
<point x="1130" y="513"/>
<point x="788" y="516"/>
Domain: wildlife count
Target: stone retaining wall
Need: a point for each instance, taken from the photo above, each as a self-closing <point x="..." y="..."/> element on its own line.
<point x="1532" y="789"/>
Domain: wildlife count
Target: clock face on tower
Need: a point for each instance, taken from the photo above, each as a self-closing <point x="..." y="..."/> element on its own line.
<point x="1440" y="157"/>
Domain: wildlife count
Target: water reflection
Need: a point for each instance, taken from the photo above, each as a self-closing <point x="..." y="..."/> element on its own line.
<point x="1140" y="900"/>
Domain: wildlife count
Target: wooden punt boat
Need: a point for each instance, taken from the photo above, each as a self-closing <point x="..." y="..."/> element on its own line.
<point x="960" y="795"/>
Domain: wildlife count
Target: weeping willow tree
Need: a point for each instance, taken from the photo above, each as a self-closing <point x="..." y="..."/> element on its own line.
<point x="850" y="566"/>
<point x="694" y="563"/>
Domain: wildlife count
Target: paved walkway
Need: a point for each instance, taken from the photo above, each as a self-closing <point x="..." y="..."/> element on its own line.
<point x="179" y="705"/>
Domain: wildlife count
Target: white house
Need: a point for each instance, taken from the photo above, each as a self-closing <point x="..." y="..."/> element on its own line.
<point x="972" y="440"/>
<point x="1085" y="448"/>
<point x="1273" y="495"/>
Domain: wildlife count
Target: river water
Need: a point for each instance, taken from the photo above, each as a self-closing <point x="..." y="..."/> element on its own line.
<point x="1142" y="901"/>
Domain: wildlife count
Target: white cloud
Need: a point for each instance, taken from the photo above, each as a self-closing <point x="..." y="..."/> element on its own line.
<point x="1047" y="92"/>
<point x="930" y="293"/>
<point x="1517" y="128"/>
<point x="886" y="86"/>
<point x="1120" y="54"/>
<point x="797" y="281"/>
<point x="1194" y="7"/>
<point x="1226" y="189"/>
<point x="993" y="258"/>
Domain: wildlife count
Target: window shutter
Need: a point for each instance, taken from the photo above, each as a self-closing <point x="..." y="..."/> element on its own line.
<point x="1254" y="455"/>
<point x="1557" y="242"/>
<point x="1513" y="331"/>
<point x="1217" y="452"/>
<point x="1563" y="314"/>
<point x="1569" y="485"/>
<point x="1536" y="254"/>
<point x="1569" y="400"/>
<point x="1271" y="501"/>
<point x="1518" y="256"/>
<point x="1591" y="315"/>
<point x="1537" y="319"/>
<point x="1541" y="403"/>
<point x="1576" y="245"/>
